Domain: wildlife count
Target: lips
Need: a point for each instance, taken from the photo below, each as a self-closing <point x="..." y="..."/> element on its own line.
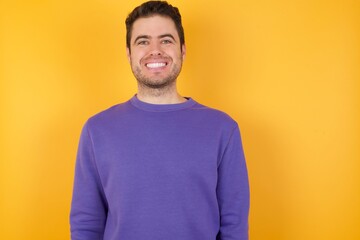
<point x="155" y="65"/>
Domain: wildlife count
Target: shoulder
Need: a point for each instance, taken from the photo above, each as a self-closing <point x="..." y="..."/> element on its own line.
<point x="110" y="115"/>
<point x="214" y="115"/>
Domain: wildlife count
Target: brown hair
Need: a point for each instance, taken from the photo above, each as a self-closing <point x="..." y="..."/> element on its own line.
<point x="152" y="8"/>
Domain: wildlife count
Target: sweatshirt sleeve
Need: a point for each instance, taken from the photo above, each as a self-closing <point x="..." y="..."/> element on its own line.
<point x="88" y="208"/>
<point x="233" y="191"/>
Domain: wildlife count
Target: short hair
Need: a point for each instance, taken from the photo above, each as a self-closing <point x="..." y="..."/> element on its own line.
<point x="152" y="8"/>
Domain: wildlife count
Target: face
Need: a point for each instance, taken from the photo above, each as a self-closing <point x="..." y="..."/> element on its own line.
<point x="155" y="52"/>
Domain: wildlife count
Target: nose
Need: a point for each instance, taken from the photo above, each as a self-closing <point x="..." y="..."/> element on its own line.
<point x="155" y="49"/>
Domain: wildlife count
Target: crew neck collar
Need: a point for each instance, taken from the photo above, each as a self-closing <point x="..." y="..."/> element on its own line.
<point x="161" y="107"/>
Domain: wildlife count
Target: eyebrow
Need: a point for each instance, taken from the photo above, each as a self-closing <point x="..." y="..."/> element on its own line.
<point x="167" y="35"/>
<point x="159" y="37"/>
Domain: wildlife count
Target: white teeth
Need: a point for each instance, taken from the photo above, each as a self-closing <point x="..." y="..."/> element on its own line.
<point x="155" y="65"/>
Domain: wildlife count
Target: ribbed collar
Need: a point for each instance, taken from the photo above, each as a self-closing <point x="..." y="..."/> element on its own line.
<point x="161" y="107"/>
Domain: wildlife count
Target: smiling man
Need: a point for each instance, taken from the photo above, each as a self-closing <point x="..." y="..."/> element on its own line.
<point x="159" y="166"/>
<point x="156" y="53"/>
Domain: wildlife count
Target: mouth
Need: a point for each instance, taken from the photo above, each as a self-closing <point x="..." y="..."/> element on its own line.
<point x="156" y="65"/>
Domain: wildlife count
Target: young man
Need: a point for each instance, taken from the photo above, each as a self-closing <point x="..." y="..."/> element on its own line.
<point x="159" y="166"/>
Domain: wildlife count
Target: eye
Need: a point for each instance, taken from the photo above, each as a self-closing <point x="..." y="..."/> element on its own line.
<point x="166" y="41"/>
<point x="143" y="42"/>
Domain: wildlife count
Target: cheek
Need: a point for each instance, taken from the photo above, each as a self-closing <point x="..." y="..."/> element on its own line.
<point x="138" y="56"/>
<point x="134" y="60"/>
<point x="174" y="54"/>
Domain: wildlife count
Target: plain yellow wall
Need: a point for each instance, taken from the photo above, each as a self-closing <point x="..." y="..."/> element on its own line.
<point x="287" y="71"/>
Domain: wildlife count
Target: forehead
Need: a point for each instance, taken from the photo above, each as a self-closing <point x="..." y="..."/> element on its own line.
<point x="154" y="26"/>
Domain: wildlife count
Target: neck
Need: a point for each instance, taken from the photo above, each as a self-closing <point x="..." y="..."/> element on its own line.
<point x="166" y="95"/>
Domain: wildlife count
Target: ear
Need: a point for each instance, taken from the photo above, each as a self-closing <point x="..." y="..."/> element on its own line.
<point x="128" y="54"/>
<point x="183" y="51"/>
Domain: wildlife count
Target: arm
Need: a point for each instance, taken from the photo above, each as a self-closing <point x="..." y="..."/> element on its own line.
<point x="88" y="207"/>
<point x="233" y="191"/>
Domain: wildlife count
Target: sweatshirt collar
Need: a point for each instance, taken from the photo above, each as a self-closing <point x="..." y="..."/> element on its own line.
<point x="161" y="107"/>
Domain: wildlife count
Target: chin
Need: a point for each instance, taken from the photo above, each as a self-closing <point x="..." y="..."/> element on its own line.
<point x="156" y="84"/>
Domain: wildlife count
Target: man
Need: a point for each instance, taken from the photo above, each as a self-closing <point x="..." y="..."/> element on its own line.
<point x="159" y="166"/>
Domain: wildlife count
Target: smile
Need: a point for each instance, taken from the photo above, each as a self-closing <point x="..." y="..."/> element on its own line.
<point x="155" y="65"/>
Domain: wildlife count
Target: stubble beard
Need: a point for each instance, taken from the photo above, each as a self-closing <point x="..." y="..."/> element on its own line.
<point x="156" y="83"/>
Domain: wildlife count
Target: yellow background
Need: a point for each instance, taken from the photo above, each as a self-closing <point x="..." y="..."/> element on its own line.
<point x="287" y="71"/>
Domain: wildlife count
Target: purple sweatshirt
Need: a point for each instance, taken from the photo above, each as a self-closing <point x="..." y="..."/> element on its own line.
<point x="160" y="172"/>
